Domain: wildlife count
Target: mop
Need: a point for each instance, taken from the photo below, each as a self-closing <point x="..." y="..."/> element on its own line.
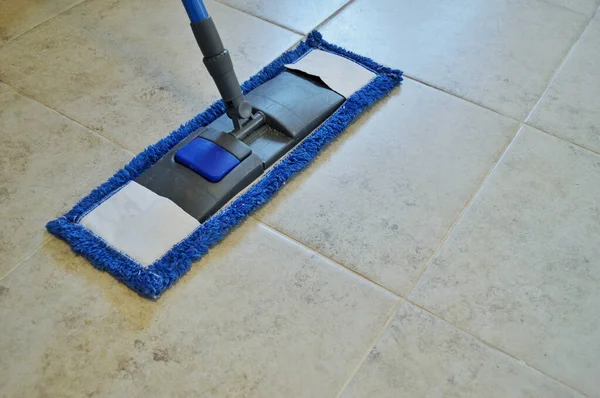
<point x="150" y="221"/>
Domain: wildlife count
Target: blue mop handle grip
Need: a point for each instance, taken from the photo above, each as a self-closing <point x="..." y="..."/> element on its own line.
<point x="195" y="10"/>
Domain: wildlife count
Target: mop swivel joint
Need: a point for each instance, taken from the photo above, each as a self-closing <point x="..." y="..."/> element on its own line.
<point x="218" y="63"/>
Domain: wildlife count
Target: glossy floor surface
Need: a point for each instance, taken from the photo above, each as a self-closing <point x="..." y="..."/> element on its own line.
<point x="445" y="246"/>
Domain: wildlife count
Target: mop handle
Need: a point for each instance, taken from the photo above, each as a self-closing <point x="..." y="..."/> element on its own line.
<point x="195" y="10"/>
<point x="218" y="62"/>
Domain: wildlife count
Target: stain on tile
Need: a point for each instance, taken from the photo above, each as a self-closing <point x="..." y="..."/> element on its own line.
<point x="139" y="344"/>
<point x="127" y="366"/>
<point x="161" y="355"/>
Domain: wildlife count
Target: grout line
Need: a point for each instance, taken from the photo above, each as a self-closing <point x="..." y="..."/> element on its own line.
<point x="294" y="45"/>
<point x="378" y="336"/>
<point x="262" y="18"/>
<point x="42" y="23"/>
<point x="27" y="257"/>
<point x="304" y="35"/>
<point x="497" y="161"/>
<point x="479" y="339"/>
<point x="397" y="307"/>
<point x="563" y="61"/>
<point x="525" y="123"/>
<point x="416" y="79"/>
<point x="563" y="139"/>
<point x="95" y="132"/>
<point x="390" y="317"/>
<point x="332" y="16"/>
<point x="560" y="67"/>
<point x="465" y="208"/>
<point x="279" y="232"/>
<point x="563" y="7"/>
<point x="502" y="114"/>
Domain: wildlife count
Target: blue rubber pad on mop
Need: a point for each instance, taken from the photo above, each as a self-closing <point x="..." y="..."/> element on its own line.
<point x="207" y="159"/>
<point x="152" y="280"/>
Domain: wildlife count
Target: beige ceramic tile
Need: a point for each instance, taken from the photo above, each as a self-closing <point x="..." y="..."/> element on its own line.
<point x="420" y="355"/>
<point x="48" y="164"/>
<point x="570" y="108"/>
<point x="259" y="317"/>
<point x="132" y="69"/>
<point x="19" y="16"/>
<point x="497" y="53"/>
<point x="383" y="196"/>
<point x="299" y="16"/>
<point x="522" y="268"/>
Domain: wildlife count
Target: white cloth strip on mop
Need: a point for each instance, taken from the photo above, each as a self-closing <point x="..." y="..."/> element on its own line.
<point x="338" y="73"/>
<point x="139" y="223"/>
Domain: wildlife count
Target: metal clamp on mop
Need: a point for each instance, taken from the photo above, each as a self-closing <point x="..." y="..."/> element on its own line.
<point x="204" y="171"/>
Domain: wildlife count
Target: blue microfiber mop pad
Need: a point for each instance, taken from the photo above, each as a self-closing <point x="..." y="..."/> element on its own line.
<point x="153" y="280"/>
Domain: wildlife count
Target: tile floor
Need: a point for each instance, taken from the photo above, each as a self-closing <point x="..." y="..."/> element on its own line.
<point x="445" y="246"/>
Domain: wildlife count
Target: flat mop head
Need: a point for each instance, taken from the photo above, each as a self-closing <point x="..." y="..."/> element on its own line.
<point x="172" y="202"/>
